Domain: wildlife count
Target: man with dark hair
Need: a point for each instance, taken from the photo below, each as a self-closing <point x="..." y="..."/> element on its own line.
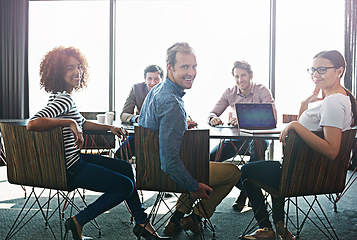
<point x="245" y="91"/>
<point x="163" y="112"/>
<point x="153" y="74"/>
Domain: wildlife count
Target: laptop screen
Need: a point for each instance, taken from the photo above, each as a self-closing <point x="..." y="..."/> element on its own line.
<point x="255" y="115"/>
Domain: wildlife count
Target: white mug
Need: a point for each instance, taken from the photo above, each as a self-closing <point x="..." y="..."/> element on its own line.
<point x="101" y="118"/>
<point x="109" y="118"/>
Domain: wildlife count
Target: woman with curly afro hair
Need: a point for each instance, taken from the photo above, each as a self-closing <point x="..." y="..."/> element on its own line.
<point x="63" y="70"/>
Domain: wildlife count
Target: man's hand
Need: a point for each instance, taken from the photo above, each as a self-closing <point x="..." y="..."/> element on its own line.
<point x="202" y="191"/>
<point x="215" y="121"/>
<point x="233" y="121"/>
<point x="191" y="124"/>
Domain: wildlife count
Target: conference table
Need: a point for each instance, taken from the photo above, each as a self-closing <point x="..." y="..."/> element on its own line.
<point x="220" y="133"/>
<point x="233" y="133"/>
<point x="215" y="132"/>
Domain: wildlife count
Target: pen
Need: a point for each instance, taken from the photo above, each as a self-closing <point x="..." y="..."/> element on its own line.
<point x="189" y="117"/>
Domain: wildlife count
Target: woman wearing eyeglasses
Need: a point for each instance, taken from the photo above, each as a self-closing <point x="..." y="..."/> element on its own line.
<point x="63" y="71"/>
<point x="332" y="114"/>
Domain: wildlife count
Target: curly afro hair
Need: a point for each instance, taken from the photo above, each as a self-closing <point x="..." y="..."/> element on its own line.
<point x="53" y="67"/>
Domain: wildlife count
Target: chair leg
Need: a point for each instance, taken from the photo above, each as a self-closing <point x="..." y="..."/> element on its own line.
<point x="158" y="223"/>
<point x="19" y="222"/>
<point x="350" y="179"/>
<point x="23" y="217"/>
<point x="238" y="152"/>
<point x="333" y="233"/>
<point x="327" y="229"/>
<point x="155" y="209"/>
<point x="59" y="214"/>
<point x="328" y="233"/>
<point x="48" y="208"/>
<point x="207" y="222"/>
<point x="250" y="227"/>
<point x="70" y="201"/>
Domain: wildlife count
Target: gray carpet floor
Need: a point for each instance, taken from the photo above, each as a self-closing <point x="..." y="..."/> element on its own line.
<point x="116" y="223"/>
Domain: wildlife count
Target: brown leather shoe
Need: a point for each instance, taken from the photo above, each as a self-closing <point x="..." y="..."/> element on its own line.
<point x="239" y="204"/>
<point x="261" y="234"/>
<point x="189" y="224"/>
<point x="171" y="228"/>
<point x="283" y="232"/>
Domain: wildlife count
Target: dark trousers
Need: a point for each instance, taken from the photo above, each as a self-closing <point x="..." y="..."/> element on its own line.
<point x="268" y="172"/>
<point x="257" y="149"/>
<point x="113" y="177"/>
<point x="123" y="150"/>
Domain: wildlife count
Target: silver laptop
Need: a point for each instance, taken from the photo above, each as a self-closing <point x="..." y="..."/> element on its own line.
<point x="256" y="118"/>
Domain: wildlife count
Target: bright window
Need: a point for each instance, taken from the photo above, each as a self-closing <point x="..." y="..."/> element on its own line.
<point x="220" y="32"/>
<point x="81" y="24"/>
<point x="304" y="28"/>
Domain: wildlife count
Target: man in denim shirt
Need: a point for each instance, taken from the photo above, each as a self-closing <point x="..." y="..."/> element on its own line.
<point x="163" y="111"/>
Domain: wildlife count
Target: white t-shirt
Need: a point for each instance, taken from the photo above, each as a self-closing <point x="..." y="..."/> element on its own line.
<point x="333" y="111"/>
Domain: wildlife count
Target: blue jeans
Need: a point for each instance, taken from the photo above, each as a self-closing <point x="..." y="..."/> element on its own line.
<point x="268" y="172"/>
<point x="113" y="177"/>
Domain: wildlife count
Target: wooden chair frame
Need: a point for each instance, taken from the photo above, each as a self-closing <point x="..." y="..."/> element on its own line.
<point x="194" y="155"/>
<point x="335" y="198"/>
<point x="37" y="159"/>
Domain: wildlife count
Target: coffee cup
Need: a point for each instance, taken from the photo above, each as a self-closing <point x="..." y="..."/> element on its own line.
<point x="101" y="118"/>
<point x="109" y="118"/>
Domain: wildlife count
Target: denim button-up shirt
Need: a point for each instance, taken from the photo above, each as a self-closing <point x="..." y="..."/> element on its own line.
<point x="163" y="111"/>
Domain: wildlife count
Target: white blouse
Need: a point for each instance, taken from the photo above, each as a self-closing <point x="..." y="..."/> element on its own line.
<point x="334" y="111"/>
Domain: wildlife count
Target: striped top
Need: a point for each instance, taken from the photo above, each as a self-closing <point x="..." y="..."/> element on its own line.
<point x="61" y="105"/>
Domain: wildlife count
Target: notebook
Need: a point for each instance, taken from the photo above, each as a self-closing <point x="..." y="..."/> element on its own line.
<point x="256" y="118"/>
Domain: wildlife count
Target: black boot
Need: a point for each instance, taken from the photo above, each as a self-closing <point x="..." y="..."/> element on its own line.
<point x="239" y="204"/>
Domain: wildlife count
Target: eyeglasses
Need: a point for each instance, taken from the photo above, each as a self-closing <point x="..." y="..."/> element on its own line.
<point x="320" y="70"/>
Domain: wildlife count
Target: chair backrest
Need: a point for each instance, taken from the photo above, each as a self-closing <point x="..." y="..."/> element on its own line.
<point x="307" y="172"/>
<point x="194" y="155"/>
<point x="35" y="159"/>
<point x="289" y="117"/>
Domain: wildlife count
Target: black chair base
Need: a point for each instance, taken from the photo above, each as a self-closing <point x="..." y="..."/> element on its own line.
<point x="64" y="199"/>
<point x="159" y="222"/>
